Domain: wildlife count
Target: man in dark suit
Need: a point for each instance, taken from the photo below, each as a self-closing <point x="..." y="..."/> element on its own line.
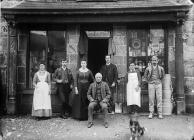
<point x="64" y="80"/>
<point x="110" y="75"/>
<point x="98" y="94"/>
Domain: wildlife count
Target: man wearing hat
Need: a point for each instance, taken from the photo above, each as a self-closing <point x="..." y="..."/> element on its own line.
<point x="64" y="80"/>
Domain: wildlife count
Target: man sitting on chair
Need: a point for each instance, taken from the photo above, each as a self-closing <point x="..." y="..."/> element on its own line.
<point x="98" y="94"/>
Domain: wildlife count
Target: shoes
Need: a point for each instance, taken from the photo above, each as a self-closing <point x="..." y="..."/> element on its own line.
<point x="160" y="117"/>
<point x="106" y="125"/>
<point x="150" y="116"/>
<point x="112" y="113"/>
<point x="90" y="124"/>
<point x="37" y="118"/>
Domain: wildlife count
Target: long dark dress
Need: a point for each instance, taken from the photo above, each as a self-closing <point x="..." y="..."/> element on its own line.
<point x="80" y="101"/>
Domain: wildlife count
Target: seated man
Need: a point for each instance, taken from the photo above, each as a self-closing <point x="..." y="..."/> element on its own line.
<point x="98" y="94"/>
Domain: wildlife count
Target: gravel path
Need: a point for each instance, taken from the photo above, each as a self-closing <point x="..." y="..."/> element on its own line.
<point x="173" y="127"/>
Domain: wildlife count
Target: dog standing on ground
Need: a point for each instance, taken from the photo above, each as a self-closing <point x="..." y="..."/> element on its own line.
<point x="136" y="130"/>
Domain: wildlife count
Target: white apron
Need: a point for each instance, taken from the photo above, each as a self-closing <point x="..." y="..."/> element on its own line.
<point x="41" y="99"/>
<point x="133" y="96"/>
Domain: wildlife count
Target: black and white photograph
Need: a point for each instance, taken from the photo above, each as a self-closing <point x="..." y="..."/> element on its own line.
<point x="97" y="70"/>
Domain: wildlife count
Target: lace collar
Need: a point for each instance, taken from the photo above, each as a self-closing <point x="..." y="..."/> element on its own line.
<point x="83" y="70"/>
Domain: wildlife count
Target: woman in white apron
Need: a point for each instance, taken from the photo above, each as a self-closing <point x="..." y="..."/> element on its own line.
<point x="41" y="106"/>
<point x="133" y="89"/>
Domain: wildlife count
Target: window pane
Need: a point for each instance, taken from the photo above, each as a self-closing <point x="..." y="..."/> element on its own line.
<point x="56" y="49"/>
<point x="38" y="45"/>
<point x="156" y="46"/>
<point x="138" y="41"/>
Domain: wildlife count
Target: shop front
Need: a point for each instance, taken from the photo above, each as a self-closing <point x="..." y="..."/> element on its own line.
<point x="75" y="30"/>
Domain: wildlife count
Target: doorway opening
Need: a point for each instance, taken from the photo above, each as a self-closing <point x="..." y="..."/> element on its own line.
<point x="97" y="50"/>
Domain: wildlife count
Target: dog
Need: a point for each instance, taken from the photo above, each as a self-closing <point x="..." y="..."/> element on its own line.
<point x="136" y="130"/>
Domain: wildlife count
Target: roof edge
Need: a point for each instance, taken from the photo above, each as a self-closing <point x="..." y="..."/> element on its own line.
<point x="136" y="10"/>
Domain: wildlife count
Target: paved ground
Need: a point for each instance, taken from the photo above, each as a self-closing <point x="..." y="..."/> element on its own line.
<point x="173" y="127"/>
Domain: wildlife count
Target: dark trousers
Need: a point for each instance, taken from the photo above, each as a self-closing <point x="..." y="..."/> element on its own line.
<point x="91" y="107"/>
<point x="63" y="92"/>
<point x="112" y="99"/>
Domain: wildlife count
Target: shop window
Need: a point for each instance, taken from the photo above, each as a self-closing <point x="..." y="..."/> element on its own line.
<point x="143" y="44"/>
<point x="47" y="46"/>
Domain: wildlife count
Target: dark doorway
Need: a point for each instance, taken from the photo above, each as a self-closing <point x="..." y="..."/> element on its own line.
<point x="97" y="49"/>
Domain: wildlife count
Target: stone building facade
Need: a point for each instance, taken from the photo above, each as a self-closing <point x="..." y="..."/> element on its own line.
<point x="129" y="31"/>
<point x="188" y="35"/>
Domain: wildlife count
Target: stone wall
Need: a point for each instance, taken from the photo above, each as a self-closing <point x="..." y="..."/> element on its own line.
<point x="3" y="48"/>
<point x="3" y="62"/>
<point x="120" y="42"/>
<point x="171" y="54"/>
<point x="72" y="35"/>
<point x="188" y="36"/>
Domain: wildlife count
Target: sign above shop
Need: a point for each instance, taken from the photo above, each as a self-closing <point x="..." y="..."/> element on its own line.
<point x="98" y="34"/>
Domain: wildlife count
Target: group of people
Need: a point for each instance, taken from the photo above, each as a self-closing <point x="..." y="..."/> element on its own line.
<point x="153" y="75"/>
<point x="87" y="95"/>
<point x="91" y="92"/>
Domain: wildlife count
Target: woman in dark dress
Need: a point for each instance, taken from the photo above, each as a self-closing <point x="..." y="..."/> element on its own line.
<point x="84" y="78"/>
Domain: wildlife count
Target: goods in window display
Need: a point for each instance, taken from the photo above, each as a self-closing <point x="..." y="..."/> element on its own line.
<point x="136" y="44"/>
<point x="143" y="44"/>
